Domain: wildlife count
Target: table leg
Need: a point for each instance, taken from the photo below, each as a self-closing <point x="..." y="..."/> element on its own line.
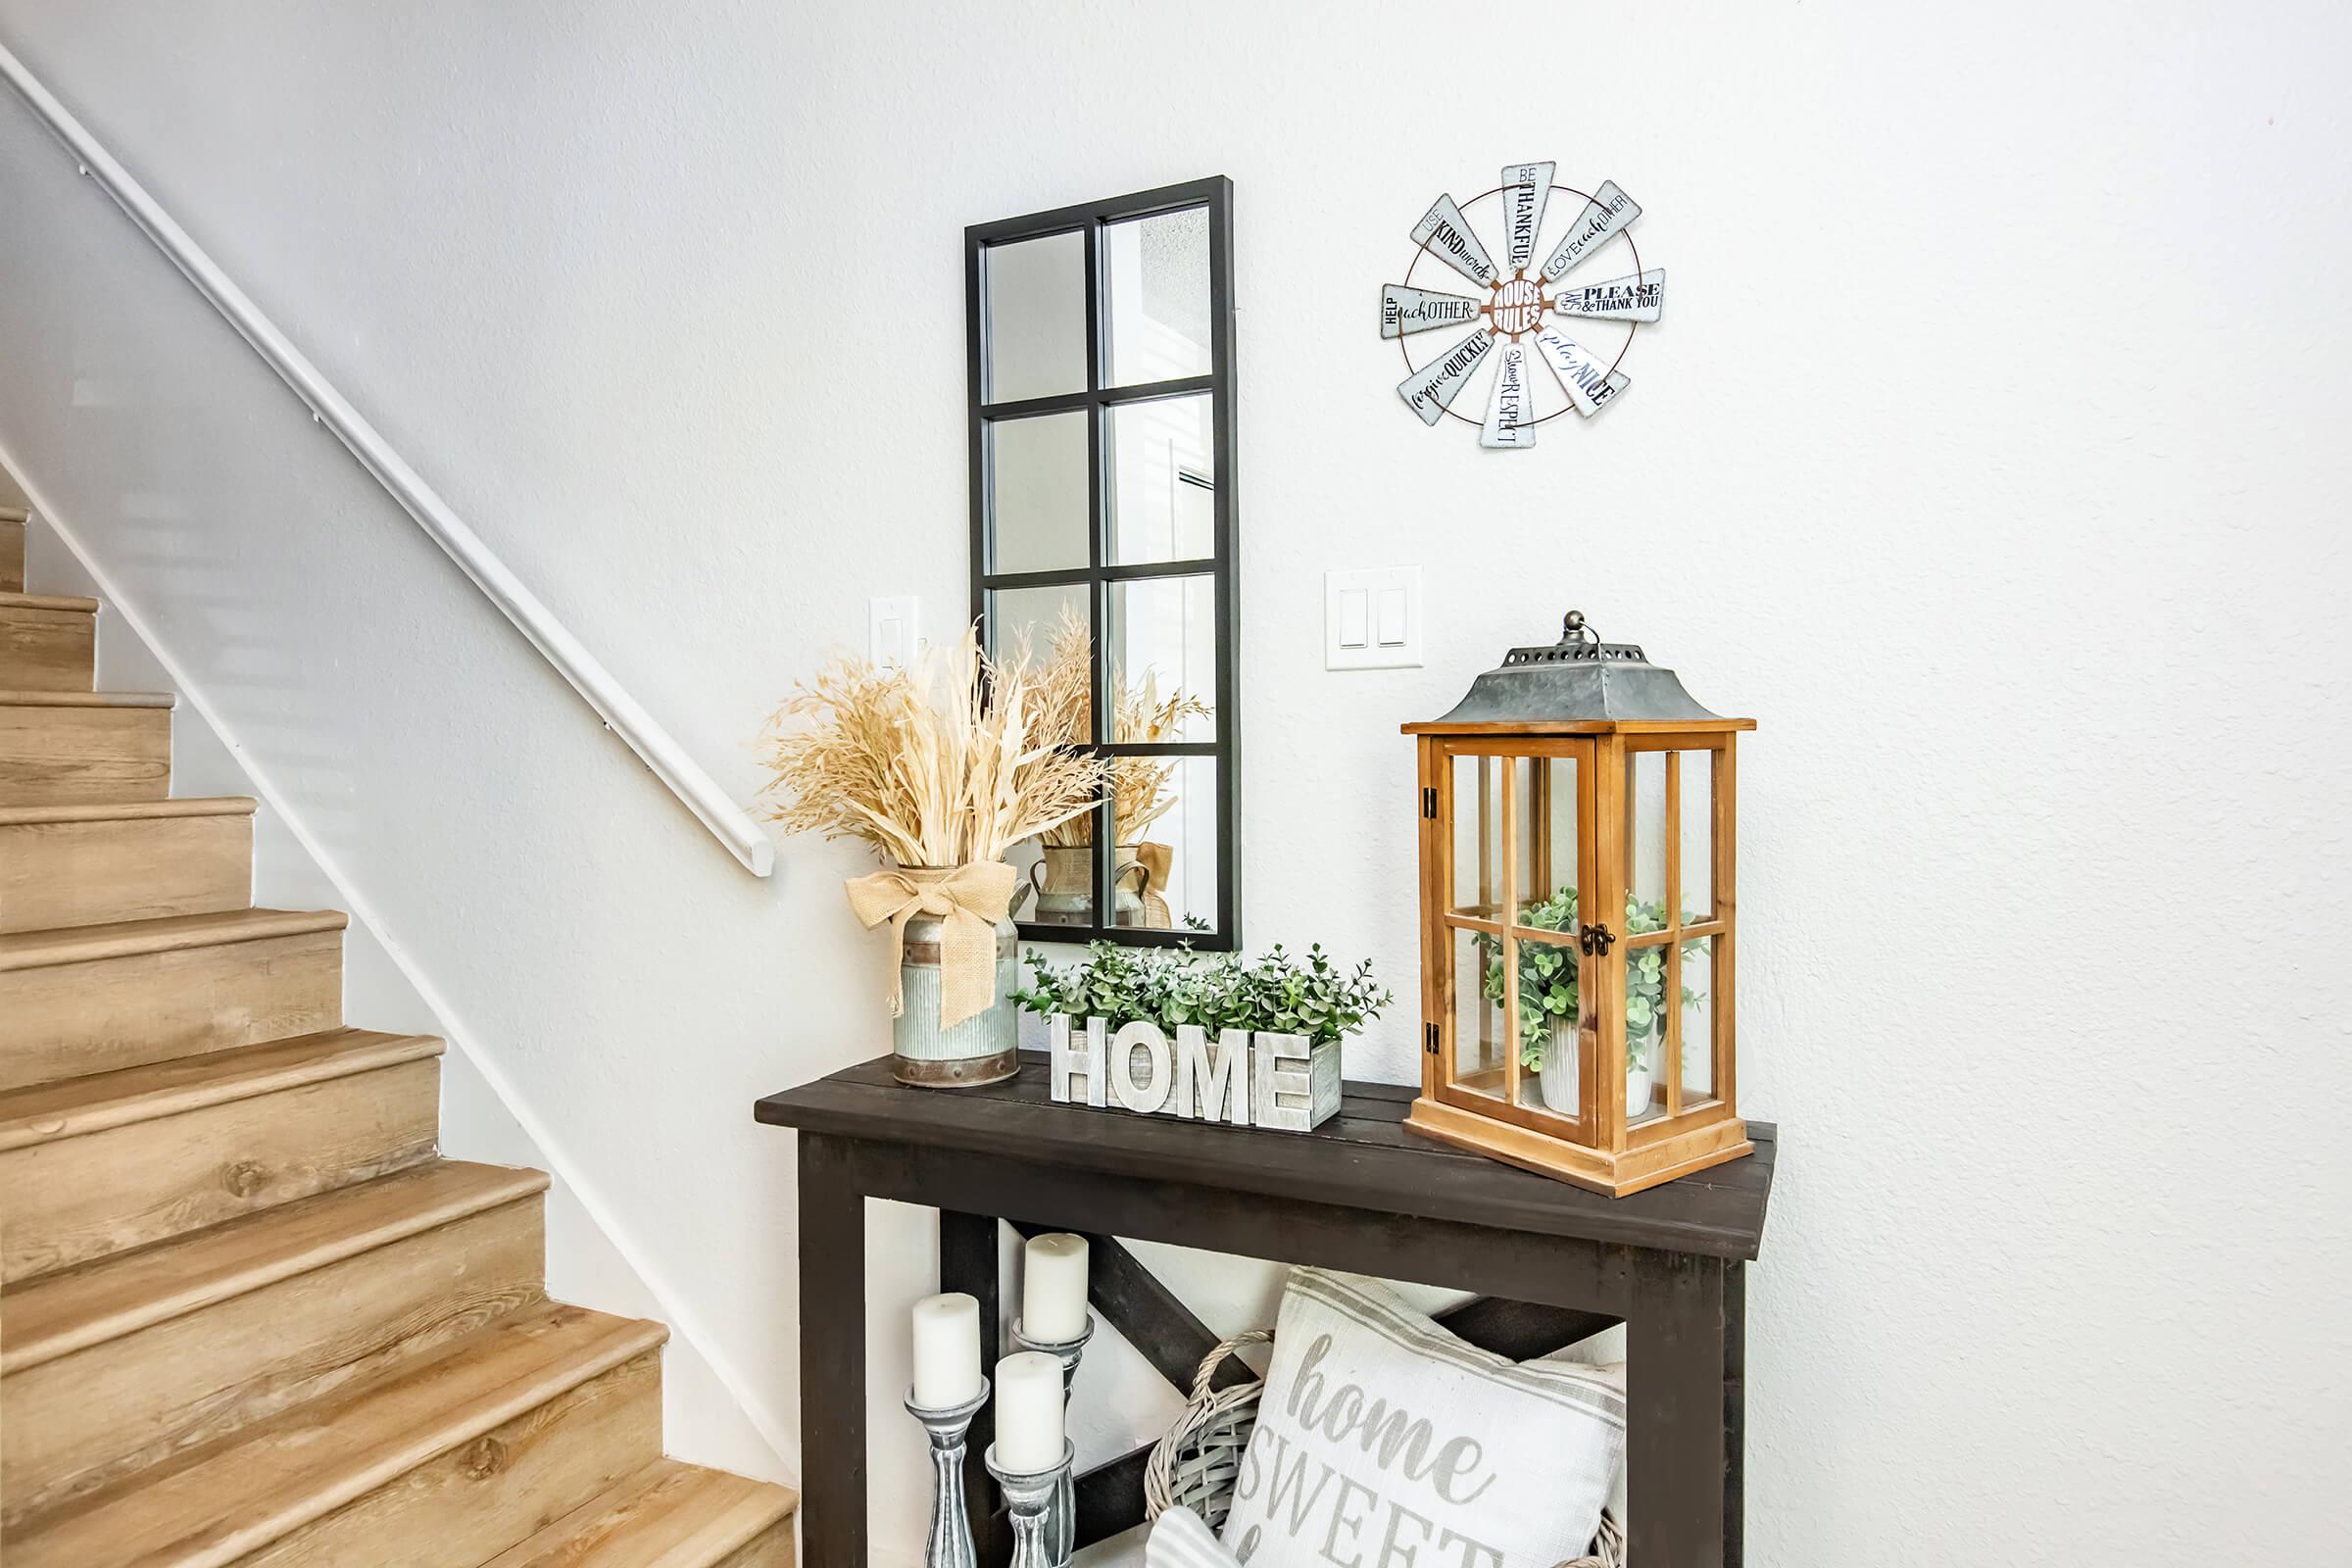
<point x="832" y="1357"/>
<point x="967" y="1262"/>
<point x="1677" y="1357"/>
<point x="1735" y="1415"/>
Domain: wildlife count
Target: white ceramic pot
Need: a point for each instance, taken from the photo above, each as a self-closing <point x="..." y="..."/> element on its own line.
<point x="1556" y="1078"/>
<point x="1639" y="1086"/>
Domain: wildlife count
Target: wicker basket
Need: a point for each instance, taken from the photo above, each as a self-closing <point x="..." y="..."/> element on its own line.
<point x="1195" y="1465"/>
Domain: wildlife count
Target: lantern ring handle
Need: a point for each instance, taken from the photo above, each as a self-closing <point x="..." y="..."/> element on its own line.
<point x="1574" y="630"/>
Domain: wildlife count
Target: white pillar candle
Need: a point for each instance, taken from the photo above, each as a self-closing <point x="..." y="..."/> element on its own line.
<point x="946" y="1350"/>
<point x="1029" y="1437"/>
<point x="1053" y="1289"/>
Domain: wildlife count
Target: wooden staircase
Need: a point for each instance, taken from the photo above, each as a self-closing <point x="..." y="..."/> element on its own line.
<point x="247" y="1314"/>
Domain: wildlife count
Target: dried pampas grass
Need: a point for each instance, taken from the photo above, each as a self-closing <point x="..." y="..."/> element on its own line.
<point x="921" y="762"/>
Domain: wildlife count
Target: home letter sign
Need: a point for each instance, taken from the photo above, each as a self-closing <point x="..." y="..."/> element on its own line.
<point x="1263" y="1079"/>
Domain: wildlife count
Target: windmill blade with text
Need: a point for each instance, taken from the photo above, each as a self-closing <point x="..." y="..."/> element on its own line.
<point x="1610" y="211"/>
<point x="1445" y="234"/>
<point x="1430" y="390"/>
<point x="1635" y="297"/>
<point x="1526" y="189"/>
<point x="1404" y="311"/>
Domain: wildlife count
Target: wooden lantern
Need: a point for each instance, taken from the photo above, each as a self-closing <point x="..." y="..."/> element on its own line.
<point x="1578" y="924"/>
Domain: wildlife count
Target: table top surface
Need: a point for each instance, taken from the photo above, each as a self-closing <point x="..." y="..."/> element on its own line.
<point x="1365" y="1158"/>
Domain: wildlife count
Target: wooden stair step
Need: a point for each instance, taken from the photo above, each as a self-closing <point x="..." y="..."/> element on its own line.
<point x="85" y="746"/>
<point x="12" y="549"/>
<point x="99" y="1164"/>
<point x="92" y="864"/>
<point x="48" y="643"/>
<point x="669" y="1515"/>
<point x="101" y="998"/>
<point x="465" y="1450"/>
<point x="114" y="1366"/>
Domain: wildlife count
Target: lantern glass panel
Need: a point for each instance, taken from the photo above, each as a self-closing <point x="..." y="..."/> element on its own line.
<point x="1697" y="835"/>
<point x="1479" y="1037"/>
<point x="1546" y="846"/>
<point x="1477" y="837"/>
<point x="1698" y="1018"/>
<point x="1550" y="1019"/>
<point x="1646" y="831"/>
<point x="1647" y="984"/>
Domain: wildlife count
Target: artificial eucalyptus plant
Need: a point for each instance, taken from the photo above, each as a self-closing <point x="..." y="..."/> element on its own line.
<point x="1547" y="976"/>
<point x="1275" y="993"/>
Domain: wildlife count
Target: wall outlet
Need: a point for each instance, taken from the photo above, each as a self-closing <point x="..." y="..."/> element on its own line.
<point x="893" y="628"/>
<point x="1372" y="619"/>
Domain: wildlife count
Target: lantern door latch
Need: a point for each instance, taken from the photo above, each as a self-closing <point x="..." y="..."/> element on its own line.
<point x="1596" y="939"/>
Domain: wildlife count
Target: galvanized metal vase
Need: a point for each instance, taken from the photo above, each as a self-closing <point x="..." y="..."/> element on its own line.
<point x="984" y="1049"/>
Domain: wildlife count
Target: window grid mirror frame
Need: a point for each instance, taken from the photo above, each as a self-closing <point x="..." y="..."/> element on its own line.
<point x="1097" y="401"/>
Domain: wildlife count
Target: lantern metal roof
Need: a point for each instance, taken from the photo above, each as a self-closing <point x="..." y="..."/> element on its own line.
<point x="1579" y="684"/>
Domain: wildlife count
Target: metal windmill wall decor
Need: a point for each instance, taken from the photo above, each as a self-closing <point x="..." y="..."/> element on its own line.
<point x="1519" y="298"/>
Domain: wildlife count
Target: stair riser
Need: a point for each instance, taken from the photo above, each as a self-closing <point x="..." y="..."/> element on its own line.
<point x="469" y="1505"/>
<point x="51" y="755"/>
<point x="92" y="1417"/>
<point x="55" y="874"/>
<point x="79" y="1199"/>
<point x="12" y="555"/>
<point x="47" y="649"/>
<point x="73" y="1019"/>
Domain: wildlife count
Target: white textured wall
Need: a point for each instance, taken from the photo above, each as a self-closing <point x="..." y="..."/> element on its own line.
<point x="1986" y="457"/>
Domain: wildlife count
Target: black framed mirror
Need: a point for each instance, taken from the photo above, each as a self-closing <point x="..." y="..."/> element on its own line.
<point x="1099" y="348"/>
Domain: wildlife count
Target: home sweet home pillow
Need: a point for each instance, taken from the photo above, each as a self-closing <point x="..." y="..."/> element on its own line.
<point x="1383" y="1439"/>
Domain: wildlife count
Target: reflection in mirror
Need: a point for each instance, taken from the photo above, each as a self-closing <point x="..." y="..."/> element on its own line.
<point x="1036" y="341"/>
<point x="1048" y="626"/>
<point x="1056" y="875"/>
<point x="1159" y="286"/>
<point x="1165" y="857"/>
<point x="1163" y="657"/>
<point x="1037" y="473"/>
<point x="1163" y="480"/>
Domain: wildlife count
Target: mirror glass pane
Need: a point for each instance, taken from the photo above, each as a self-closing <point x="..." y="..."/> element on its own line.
<point x="1163" y="480"/>
<point x="1047" y="629"/>
<point x="1037" y="473"/>
<point x="1478" y="1037"/>
<point x="1036" y="341"/>
<point x="1156" y="271"/>
<point x="1057" y="877"/>
<point x="1163" y="660"/>
<point x="1166" y="851"/>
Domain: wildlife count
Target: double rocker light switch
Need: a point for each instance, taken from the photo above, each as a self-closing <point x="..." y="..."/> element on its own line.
<point x="1372" y="619"/>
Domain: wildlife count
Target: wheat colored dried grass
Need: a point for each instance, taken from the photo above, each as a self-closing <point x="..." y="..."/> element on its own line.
<point x="918" y="761"/>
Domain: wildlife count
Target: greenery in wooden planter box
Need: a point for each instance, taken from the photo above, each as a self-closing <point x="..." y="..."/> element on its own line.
<point x="1276" y="992"/>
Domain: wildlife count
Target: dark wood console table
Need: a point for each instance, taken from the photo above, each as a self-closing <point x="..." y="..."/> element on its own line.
<point x="1554" y="1263"/>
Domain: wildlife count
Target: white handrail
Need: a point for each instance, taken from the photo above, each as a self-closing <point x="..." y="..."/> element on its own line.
<point x="620" y="711"/>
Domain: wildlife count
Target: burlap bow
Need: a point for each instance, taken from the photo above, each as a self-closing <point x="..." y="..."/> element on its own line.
<point x="970" y="899"/>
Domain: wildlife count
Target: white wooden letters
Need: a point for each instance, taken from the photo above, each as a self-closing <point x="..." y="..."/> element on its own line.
<point x="1265" y="1080"/>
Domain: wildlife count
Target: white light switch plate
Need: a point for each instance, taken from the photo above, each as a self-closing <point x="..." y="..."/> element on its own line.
<point x="1372" y="619"/>
<point x="893" y="628"/>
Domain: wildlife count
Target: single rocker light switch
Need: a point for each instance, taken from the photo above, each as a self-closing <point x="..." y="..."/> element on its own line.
<point x="1353" y="618"/>
<point x="1372" y="619"/>
<point x="890" y="629"/>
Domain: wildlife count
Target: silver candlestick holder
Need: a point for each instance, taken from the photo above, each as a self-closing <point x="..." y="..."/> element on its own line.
<point x="950" y="1544"/>
<point x="1029" y="1499"/>
<point x="1061" y="1518"/>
